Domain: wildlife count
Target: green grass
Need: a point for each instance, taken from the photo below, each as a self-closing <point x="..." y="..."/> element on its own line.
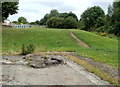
<point x="102" y="49"/>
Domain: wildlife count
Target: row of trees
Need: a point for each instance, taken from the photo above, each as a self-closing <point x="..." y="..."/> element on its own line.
<point x="94" y="19"/>
<point x="23" y="20"/>
<point x="59" y="20"/>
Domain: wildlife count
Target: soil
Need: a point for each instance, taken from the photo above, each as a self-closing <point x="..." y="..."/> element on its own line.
<point x="79" y="41"/>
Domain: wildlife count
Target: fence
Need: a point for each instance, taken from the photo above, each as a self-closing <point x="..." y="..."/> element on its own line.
<point x="20" y="26"/>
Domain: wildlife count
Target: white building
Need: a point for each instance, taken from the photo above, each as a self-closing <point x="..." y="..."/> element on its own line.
<point x="6" y="22"/>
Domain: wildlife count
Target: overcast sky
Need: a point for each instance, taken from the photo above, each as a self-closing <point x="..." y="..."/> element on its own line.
<point x="36" y="9"/>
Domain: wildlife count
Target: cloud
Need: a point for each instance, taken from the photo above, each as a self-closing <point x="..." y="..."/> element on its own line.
<point x="36" y="9"/>
<point x="103" y="4"/>
<point x="52" y="4"/>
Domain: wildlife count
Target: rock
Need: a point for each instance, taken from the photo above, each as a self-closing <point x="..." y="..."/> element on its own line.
<point x="60" y="61"/>
<point x="5" y="62"/>
<point x="28" y="56"/>
<point x="38" y="64"/>
<point x="51" y="62"/>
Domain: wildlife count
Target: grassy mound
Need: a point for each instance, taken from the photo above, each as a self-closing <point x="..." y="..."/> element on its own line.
<point x="101" y="49"/>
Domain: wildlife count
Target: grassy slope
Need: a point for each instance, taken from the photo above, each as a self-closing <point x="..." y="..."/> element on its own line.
<point x="102" y="49"/>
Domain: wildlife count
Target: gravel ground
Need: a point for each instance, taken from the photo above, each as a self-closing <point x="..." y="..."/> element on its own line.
<point x="68" y="73"/>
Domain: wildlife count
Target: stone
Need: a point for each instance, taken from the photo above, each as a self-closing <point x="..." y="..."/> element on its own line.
<point x="51" y="62"/>
<point x="38" y="64"/>
<point x="60" y="61"/>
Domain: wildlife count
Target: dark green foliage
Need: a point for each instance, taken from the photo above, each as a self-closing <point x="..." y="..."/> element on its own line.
<point x="27" y="49"/>
<point x="94" y="19"/>
<point x="81" y="25"/>
<point x="55" y="13"/>
<point x="32" y="23"/>
<point x="37" y="22"/>
<point x="22" y="20"/>
<point x="100" y="22"/>
<point x="66" y="15"/>
<point x="44" y="20"/>
<point x="15" y="22"/>
<point x="113" y="19"/>
<point x="70" y="23"/>
<point x="91" y="15"/>
<point x="72" y="15"/>
<point x="9" y="8"/>
<point x="110" y="11"/>
<point x="63" y="15"/>
<point x="57" y="22"/>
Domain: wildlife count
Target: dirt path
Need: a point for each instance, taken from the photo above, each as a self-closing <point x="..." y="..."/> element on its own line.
<point x="68" y="73"/>
<point x="79" y="41"/>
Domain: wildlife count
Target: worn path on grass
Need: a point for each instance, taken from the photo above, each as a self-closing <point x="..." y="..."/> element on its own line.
<point x="79" y="41"/>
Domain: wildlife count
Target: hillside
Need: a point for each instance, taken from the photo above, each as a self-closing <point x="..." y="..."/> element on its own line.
<point x="102" y="49"/>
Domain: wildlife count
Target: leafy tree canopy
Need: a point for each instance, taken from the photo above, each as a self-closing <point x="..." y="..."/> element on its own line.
<point x="9" y="8"/>
<point x="22" y="20"/>
<point x="90" y="16"/>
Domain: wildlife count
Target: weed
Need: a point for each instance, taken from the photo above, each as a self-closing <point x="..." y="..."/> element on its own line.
<point x="27" y="49"/>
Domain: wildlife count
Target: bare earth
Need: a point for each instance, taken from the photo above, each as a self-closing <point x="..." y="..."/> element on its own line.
<point x="68" y="73"/>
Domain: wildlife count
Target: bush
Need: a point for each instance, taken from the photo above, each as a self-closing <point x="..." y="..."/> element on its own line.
<point x="27" y="49"/>
<point x="57" y="22"/>
<point x="70" y="23"/>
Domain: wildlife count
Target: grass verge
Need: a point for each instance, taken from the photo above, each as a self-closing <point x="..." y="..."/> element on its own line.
<point x="92" y="69"/>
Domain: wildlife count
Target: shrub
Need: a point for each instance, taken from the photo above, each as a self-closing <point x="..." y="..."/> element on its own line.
<point x="70" y="23"/>
<point x="103" y="34"/>
<point x="27" y="49"/>
<point x="55" y="22"/>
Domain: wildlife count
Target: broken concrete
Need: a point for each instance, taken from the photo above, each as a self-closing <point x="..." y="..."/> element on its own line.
<point x="67" y="73"/>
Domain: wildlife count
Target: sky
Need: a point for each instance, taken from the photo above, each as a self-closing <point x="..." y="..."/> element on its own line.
<point x="36" y="9"/>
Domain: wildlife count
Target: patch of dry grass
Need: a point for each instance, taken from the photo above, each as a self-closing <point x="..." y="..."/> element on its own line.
<point x="97" y="71"/>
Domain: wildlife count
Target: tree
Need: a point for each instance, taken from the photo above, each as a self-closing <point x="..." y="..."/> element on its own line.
<point x="100" y="22"/>
<point x="54" y="13"/>
<point x="16" y="22"/>
<point x="9" y="8"/>
<point x="32" y="23"/>
<point x="44" y="20"/>
<point x="22" y="20"/>
<point x="110" y="11"/>
<point x="90" y="16"/>
<point x="70" y="14"/>
<point x="55" y="22"/>
<point x="70" y="23"/>
<point x="37" y="22"/>
<point x="63" y="15"/>
<point x="116" y="19"/>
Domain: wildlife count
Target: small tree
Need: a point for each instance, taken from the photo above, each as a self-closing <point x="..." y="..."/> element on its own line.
<point x="22" y="20"/>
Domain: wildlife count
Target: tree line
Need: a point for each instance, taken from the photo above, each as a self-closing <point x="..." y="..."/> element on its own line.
<point x="92" y="19"/>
